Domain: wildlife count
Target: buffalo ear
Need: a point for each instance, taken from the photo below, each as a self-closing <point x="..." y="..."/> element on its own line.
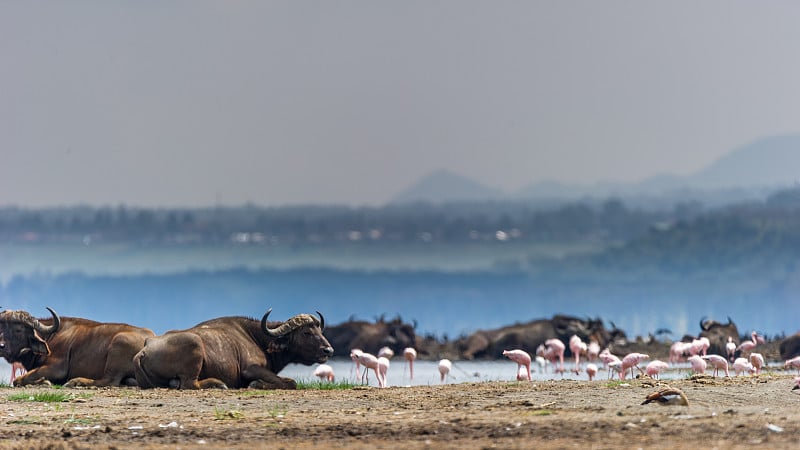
<point x="39" y="346"/>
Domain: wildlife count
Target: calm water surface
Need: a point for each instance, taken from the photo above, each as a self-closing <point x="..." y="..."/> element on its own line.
<point x="427" y="372"/>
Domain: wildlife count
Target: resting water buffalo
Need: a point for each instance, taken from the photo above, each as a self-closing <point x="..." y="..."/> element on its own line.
<point x="77" y="351"/>
<point x="790" y="347"/>
<point x="528" y="336"/>
<point x="717" y="334"/>
<point x="371" y="337"/>
<point x="232" y="352"/>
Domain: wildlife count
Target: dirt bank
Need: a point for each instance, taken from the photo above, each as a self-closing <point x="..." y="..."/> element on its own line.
<point x="745" y="412"/>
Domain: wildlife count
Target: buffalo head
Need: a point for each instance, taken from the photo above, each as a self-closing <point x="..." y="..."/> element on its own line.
<point x="22" y="336"/>
<point x="302" y="335"/>
<point x="717" y="334"/>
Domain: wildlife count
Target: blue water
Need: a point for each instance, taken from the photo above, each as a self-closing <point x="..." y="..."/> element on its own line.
<point x="426" y="373"/>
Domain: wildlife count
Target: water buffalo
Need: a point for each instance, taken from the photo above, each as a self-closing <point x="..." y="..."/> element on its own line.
<point x="232" y="352"/>
<point x="528" y="336"/>
<point x="717" y="334"/>
<point x="790" y="347"/>
<point x="371" y="337"/>
<point x="70" y="351"/>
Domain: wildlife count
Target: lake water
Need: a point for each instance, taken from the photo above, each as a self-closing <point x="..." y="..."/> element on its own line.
<point x="426" y="373"/>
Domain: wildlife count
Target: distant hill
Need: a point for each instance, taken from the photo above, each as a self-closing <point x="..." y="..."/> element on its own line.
<point x="444" y="186"/>
<point x="750" y="172"/>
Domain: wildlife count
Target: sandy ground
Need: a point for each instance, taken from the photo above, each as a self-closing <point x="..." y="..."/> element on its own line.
<point x="744" y="412"/>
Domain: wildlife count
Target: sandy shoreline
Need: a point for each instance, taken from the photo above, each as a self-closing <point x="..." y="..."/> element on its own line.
<point x="742" y="412"/>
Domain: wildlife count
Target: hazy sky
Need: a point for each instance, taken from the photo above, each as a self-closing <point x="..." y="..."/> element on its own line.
<point x="165" y="103"/>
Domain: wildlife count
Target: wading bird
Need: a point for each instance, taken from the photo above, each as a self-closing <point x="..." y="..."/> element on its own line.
<point x="719" y="363"/>
<point x="444" y="368"/>
<point x="410" y="355"/>
<point x="698" y="364"/>
<point x="324" y="372"/>
<point x="630" y="361"/>
<point x="654" y="368"/>
<point x="591" y="370"/>
<point x="522" y="358"/>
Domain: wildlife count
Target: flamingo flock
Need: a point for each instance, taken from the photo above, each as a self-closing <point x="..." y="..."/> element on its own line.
<point x="552" y="351"/>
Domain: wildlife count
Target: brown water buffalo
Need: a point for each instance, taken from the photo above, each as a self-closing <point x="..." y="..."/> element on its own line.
<point x="790" y="347"/>
<point x="70" y="351"/>
<point x="717" y="334"/>
<point x="371" y="337"/>
<point x="528" y="336"/>
<point x="232" y="352"/>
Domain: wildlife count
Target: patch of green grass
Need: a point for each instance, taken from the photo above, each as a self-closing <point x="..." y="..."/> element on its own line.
<point x="325" y="385"/>
<point x="231" y="414"/>
<point x="278" y="411"/>
<point x="4" y="385"/>
<point x="615" y="383"/>
<point x="46" y="396"/>
<point x="255" y="393"/>
<point x="28" y="421"/>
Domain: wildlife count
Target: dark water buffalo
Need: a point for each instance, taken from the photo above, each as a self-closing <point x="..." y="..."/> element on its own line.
<point x="70" y="351"/>
<point x="232" y="352"/>
<point x="371" y="337"/>
<point x="717" y="334"/>
<point x="528" y="336"/>
<point x="790" y="347"/>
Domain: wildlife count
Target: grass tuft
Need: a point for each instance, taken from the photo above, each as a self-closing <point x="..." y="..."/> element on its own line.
<point x="325" y="385"/>
<point x="231" y="414"/>
<point x="45" y="397"/>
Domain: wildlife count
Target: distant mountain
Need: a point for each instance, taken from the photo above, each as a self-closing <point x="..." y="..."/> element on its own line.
<point x="770" y="161"/>
<point x="445" y="186"/>
<point x="751" y="172"/>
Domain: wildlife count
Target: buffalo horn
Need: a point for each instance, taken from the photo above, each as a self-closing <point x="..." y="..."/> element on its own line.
<point x="321" y="321"/>
<point x="264" y="327"/>
<point x="45" y="329"/>
<point x="288" y="326"/>
<point x="703" y="323"/>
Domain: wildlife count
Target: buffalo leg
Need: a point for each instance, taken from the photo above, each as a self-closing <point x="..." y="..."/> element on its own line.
<point x="263" y="378"/>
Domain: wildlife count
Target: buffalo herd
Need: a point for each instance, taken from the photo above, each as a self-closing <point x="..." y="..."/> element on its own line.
<point x="242" y="352"/>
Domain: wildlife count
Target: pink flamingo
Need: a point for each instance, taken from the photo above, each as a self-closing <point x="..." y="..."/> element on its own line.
<point x="591" y="370"/>
<point x="369" y="361"/>
<point x="698" y="364"/>
<point x="557" y="350"/>
<point x="700" y="346"/>
<point x="576" y="346"/>
<point x="616" y="366"/>
<point x="730" y="348"/>
<point x="748" y="346"/>
<point x="522" y="358"/>
<point x="796" y="383"/>
<point x="655" y="367"/>
<point x="719" y="363"/>
<point x="386" y="352"/>
<point x="383" y="367"/>
<point x="354" y="354"/>
<point x="757" y="360"/>
<point x="741" y="365"/>
<point x="593" y="351"/>
<point x="324" y="372"/>
<point x="794" y="363"/>
<point x="444" y="368"/>
<point x="678" y="349"/>
<point x="608" y="358"/>
<point x="630" y="361"/>
<point x="17" y="370"/>
<point x="410" y="355"/>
